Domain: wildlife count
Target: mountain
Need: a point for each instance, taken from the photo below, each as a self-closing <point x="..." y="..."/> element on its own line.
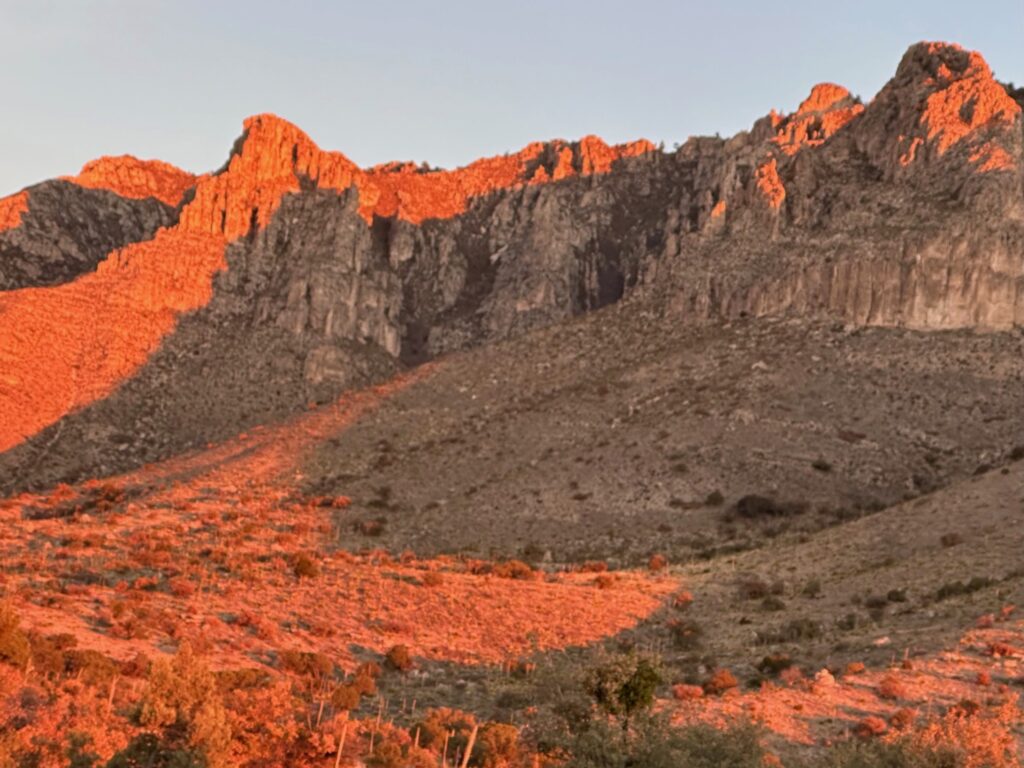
<point x="293" y="414"/>
<point x="291" y="274"/>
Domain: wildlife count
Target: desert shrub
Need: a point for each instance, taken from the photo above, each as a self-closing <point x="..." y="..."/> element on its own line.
<point x="497" y="746"/>
<point x="854" y="668"/>
<point x="345" y="698"/>
<point x="686" y="692"/>
<point x="104" y="498"/>
<point x="903" y="719"/>
<point x="438" y="722"/>
<point x="242" y="679"/>
<point x="795" y="631"/>
<point x="657" y="563"/>
<point x="876" y="753"/>
<point x="306" y="663"/>
<point x="398" y="658"/>
<point x="957" y="588"/>
<point x="656" y="744"/>
<point x="369" y="527"/>
<point x="605" y="580"/>
<point x="812" y="588"/>
<point x="774" y="664"/>
<point x="305" y="567"/>
<point x="365" y="684"/>
<point x="754" y="507"/>
<point x="149" y="751"/>
<point x="951" y="539"/>
<point x="514" y="569"/>
<point x="432" y="579"/>
<point x="682" y="601"/>
<point x="773" y="603"/>
<point x="181" y="587"/>
<point x="721" y="680"/>
<point x="753" y="588"/>
<point x="714" y="499"/>
<point x="93" y="667"/>
<point x="870" y="727"/>
<point x="182" y="696"/>
<point x="891" y="687"/>
<point x="369" y="669"/>
<point x="14" y="645"/>
<point x="686" y="634"/>
<point x="821" y="465"/>
<point x="47" y="654"/>
<point x="623" y="686"/>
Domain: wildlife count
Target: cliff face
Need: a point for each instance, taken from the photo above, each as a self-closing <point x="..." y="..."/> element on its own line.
<point x="906" y="211"/>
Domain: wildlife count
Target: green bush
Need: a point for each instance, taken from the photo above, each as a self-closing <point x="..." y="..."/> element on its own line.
<point x="624" y="686"/>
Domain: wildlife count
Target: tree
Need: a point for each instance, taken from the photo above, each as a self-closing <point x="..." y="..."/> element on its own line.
<point x="624" y="686"/>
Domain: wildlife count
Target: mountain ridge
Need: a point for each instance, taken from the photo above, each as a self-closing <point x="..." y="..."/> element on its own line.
<point x="866" y="213"/>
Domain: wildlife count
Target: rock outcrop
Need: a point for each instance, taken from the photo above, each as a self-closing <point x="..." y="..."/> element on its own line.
<point x="905" y="211"/>
<point x="130" y="177"/>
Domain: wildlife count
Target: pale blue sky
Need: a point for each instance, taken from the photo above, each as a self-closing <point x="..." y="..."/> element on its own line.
<point x="444" y="82"/>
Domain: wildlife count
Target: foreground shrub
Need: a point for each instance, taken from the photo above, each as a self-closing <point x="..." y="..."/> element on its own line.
<point x="624" y="686"/>
<point x="182" y="697"/>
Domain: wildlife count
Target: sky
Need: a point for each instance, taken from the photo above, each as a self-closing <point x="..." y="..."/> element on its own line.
<point x="442" y="81"/>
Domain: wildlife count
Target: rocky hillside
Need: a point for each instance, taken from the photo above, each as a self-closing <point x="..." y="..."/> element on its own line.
<point x="146" y="310"/>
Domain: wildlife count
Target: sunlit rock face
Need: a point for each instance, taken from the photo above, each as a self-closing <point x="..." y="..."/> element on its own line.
<point x="314" y="275"/>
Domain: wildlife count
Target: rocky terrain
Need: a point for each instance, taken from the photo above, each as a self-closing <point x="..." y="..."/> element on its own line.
<point x="749" y="408"/>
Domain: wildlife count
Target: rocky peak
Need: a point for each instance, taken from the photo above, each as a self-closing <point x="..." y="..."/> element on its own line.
<point x="942" y="104"/>
<point x="128" y="176"/>
<point x="828" y="108"/>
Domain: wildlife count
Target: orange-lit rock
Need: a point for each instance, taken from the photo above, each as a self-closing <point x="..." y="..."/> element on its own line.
<point x="992" y="157"/>
<point x="827" y="109"/>
<point x="769" y="183"/>
<point x="823" y="96"/>
<point x="956" y="103"/>
<point x="415" y="195"/>
<point x="967" y="99"/>
<point x="130" y="177"/>
<point x="11" y="210"/>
